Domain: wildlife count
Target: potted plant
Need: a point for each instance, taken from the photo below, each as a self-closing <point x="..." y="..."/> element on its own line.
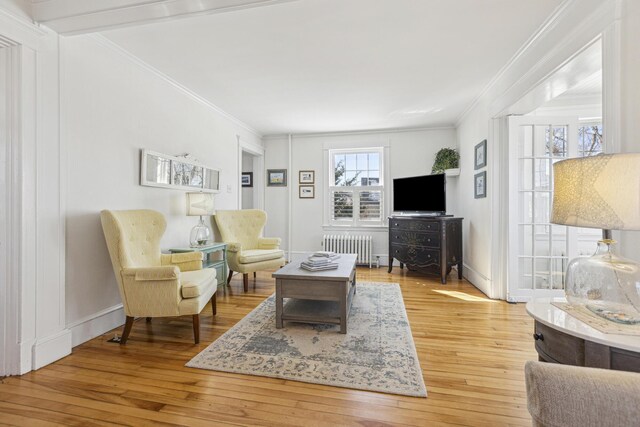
<point x="446" y="160"/>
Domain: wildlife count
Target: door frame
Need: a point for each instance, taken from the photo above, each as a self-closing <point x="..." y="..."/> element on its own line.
<point x="258" y="172"/>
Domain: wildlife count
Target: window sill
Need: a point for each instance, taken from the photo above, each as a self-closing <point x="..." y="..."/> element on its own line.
<point x="354" y="227"/>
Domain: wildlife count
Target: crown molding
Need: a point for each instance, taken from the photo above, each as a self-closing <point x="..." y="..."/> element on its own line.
<point x="592" y="22"/>
<point x="102" y="40"/>
<point x="70" y="17"/>
<point x="18" y="30"/>
<point x="360" y="132"/>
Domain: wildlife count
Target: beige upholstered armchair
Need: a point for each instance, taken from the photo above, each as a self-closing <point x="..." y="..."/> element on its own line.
<point x="153" y="284"/>
<point x="572" y="396"/>
<point x="247" y="251"/>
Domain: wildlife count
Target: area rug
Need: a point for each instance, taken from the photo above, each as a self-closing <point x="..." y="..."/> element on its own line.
<point x="377" y="353"/>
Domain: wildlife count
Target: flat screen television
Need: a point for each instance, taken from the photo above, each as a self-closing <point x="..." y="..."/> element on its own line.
<point x="420" y="195"/>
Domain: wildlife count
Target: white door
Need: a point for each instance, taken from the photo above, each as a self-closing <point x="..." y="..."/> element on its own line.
<point x="538" y="250"/>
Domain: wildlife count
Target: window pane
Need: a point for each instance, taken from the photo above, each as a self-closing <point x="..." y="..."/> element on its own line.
<point x="589" y="140"/>
<point x="362" y="162"/>
<point x="339" y="170"/>
<point x="526" y="207"/>
<point x="374" y="161"/>
<point x="543" y="174"/>
<point x="342" y="205"/>
<point x="351" y="161"/>
<point x="542" y="266"/>
<point x="351" y="178"/>
<point x="371" y="205"/>
<point x="526" y="268"/>
<point x="542" y="207"/>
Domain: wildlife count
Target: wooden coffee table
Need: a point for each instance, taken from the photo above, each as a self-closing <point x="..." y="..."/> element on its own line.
<point x="316" y="296"/>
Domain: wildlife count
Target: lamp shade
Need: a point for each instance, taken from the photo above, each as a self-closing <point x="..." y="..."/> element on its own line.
<point x="598" y="192"/>
<point x="199" y="204"/>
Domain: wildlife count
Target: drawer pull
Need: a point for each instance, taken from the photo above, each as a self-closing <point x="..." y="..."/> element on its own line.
<point x="538" y="337"/>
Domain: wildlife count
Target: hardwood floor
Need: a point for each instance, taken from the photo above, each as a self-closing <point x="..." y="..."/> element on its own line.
<point x="472" y="351"/>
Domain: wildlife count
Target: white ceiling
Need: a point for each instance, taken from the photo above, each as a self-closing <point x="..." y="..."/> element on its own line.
<point x="337" y="65"/>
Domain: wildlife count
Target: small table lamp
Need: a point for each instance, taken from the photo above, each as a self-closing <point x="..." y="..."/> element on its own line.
<point x="601" y="192"/>
<point x="199" y="204"/>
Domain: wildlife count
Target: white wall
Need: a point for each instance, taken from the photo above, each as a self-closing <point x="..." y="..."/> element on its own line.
<point x="410" y="153"/>
<point x="247" y="192"/>
<point x="573" y="28"/>
<point x="630" y="106"/>
<point x="112" y="107"/>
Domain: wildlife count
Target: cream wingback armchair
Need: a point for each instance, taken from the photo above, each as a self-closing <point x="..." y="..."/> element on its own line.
<point x="154" y="284"/>
<point x="247" y="251"/>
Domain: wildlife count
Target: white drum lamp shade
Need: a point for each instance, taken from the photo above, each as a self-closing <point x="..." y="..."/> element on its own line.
<point x="200" y="204"/>
<point x="601" y="192"/>
<point x="598" y="192"/>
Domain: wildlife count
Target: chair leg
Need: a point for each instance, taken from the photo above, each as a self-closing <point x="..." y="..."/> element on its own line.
<point x="254" y="274"/>
<point x="196" y="328"/>
<point x="229" y="278"/>
<point x="213" y="304"/>
<point x="245" y="281"/>
<point x="127" y="330"/>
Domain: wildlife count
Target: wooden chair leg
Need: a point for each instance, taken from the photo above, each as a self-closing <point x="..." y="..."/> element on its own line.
<point x="127" y="330"/>
<point x="245" y="281"/>
<point x="229" y="278"/>
<point x="196" y="328"/>
<point x="213" y="304"/>
<point x="254" y="274"/>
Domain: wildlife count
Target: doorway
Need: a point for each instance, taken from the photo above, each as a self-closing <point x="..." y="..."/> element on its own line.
<point x="251" y="176"/>
<point x="561" y="118"/>
<point x="247" y="200"/>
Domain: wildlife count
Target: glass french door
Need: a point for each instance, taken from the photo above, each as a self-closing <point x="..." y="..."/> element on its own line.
<point x="538" y="250"/>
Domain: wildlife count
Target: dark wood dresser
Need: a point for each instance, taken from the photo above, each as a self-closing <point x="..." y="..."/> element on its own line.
<point x="430" y="244"/>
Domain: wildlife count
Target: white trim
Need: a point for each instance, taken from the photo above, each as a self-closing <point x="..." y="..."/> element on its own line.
<point x="96" y="324"/>
<point x="257" y="151"/>
<point x="361" y="132"/>
<point x="611" y="87"/>
<point x="18" y="30"/>
<point x="70" y="17"/>
<point x="102" y="40"/>
<point x="527" y="68"/>
<point x="478" y="280"/>
<point x="499" y="183"/>
<point x="51" y="348"/>
<point x="289" y="197"/>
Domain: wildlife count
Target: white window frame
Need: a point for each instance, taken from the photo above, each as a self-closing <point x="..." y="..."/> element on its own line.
<point x="355" y="221"/>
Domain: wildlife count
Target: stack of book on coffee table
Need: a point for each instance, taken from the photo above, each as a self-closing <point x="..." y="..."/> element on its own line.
<point x="322" y="260"/>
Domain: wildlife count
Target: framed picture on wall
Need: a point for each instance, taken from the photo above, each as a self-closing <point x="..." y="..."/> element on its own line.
<point x="480" y="185"/>
<point x="481" y="155"/>
<point x="307" y="177"/>
<point x="276" y="177"/>
<point x="247" y="179"/>
<point x="307" y="192"/>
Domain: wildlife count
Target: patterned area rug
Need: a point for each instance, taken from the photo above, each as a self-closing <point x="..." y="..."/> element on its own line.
<point x="377" y="353"/>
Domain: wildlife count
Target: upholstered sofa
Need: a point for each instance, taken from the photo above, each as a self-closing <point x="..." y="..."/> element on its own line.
<point x="572" y="396"/>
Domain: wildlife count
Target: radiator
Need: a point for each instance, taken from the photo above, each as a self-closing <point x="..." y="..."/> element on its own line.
<point x="344" y="244"/>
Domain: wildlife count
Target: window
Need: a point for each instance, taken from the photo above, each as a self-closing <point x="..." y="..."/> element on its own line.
<point x="356" y="187"/>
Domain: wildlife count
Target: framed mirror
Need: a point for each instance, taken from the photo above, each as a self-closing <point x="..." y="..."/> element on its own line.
<point x="163" y="170"/>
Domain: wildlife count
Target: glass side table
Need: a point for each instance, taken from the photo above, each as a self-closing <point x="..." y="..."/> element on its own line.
<point x="210" y="260"/>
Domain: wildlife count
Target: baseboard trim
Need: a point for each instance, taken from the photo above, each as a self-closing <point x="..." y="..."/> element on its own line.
<point x="478" y="280"/>
<point x="51" y="348"/>
<point x="97" y="324"/>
